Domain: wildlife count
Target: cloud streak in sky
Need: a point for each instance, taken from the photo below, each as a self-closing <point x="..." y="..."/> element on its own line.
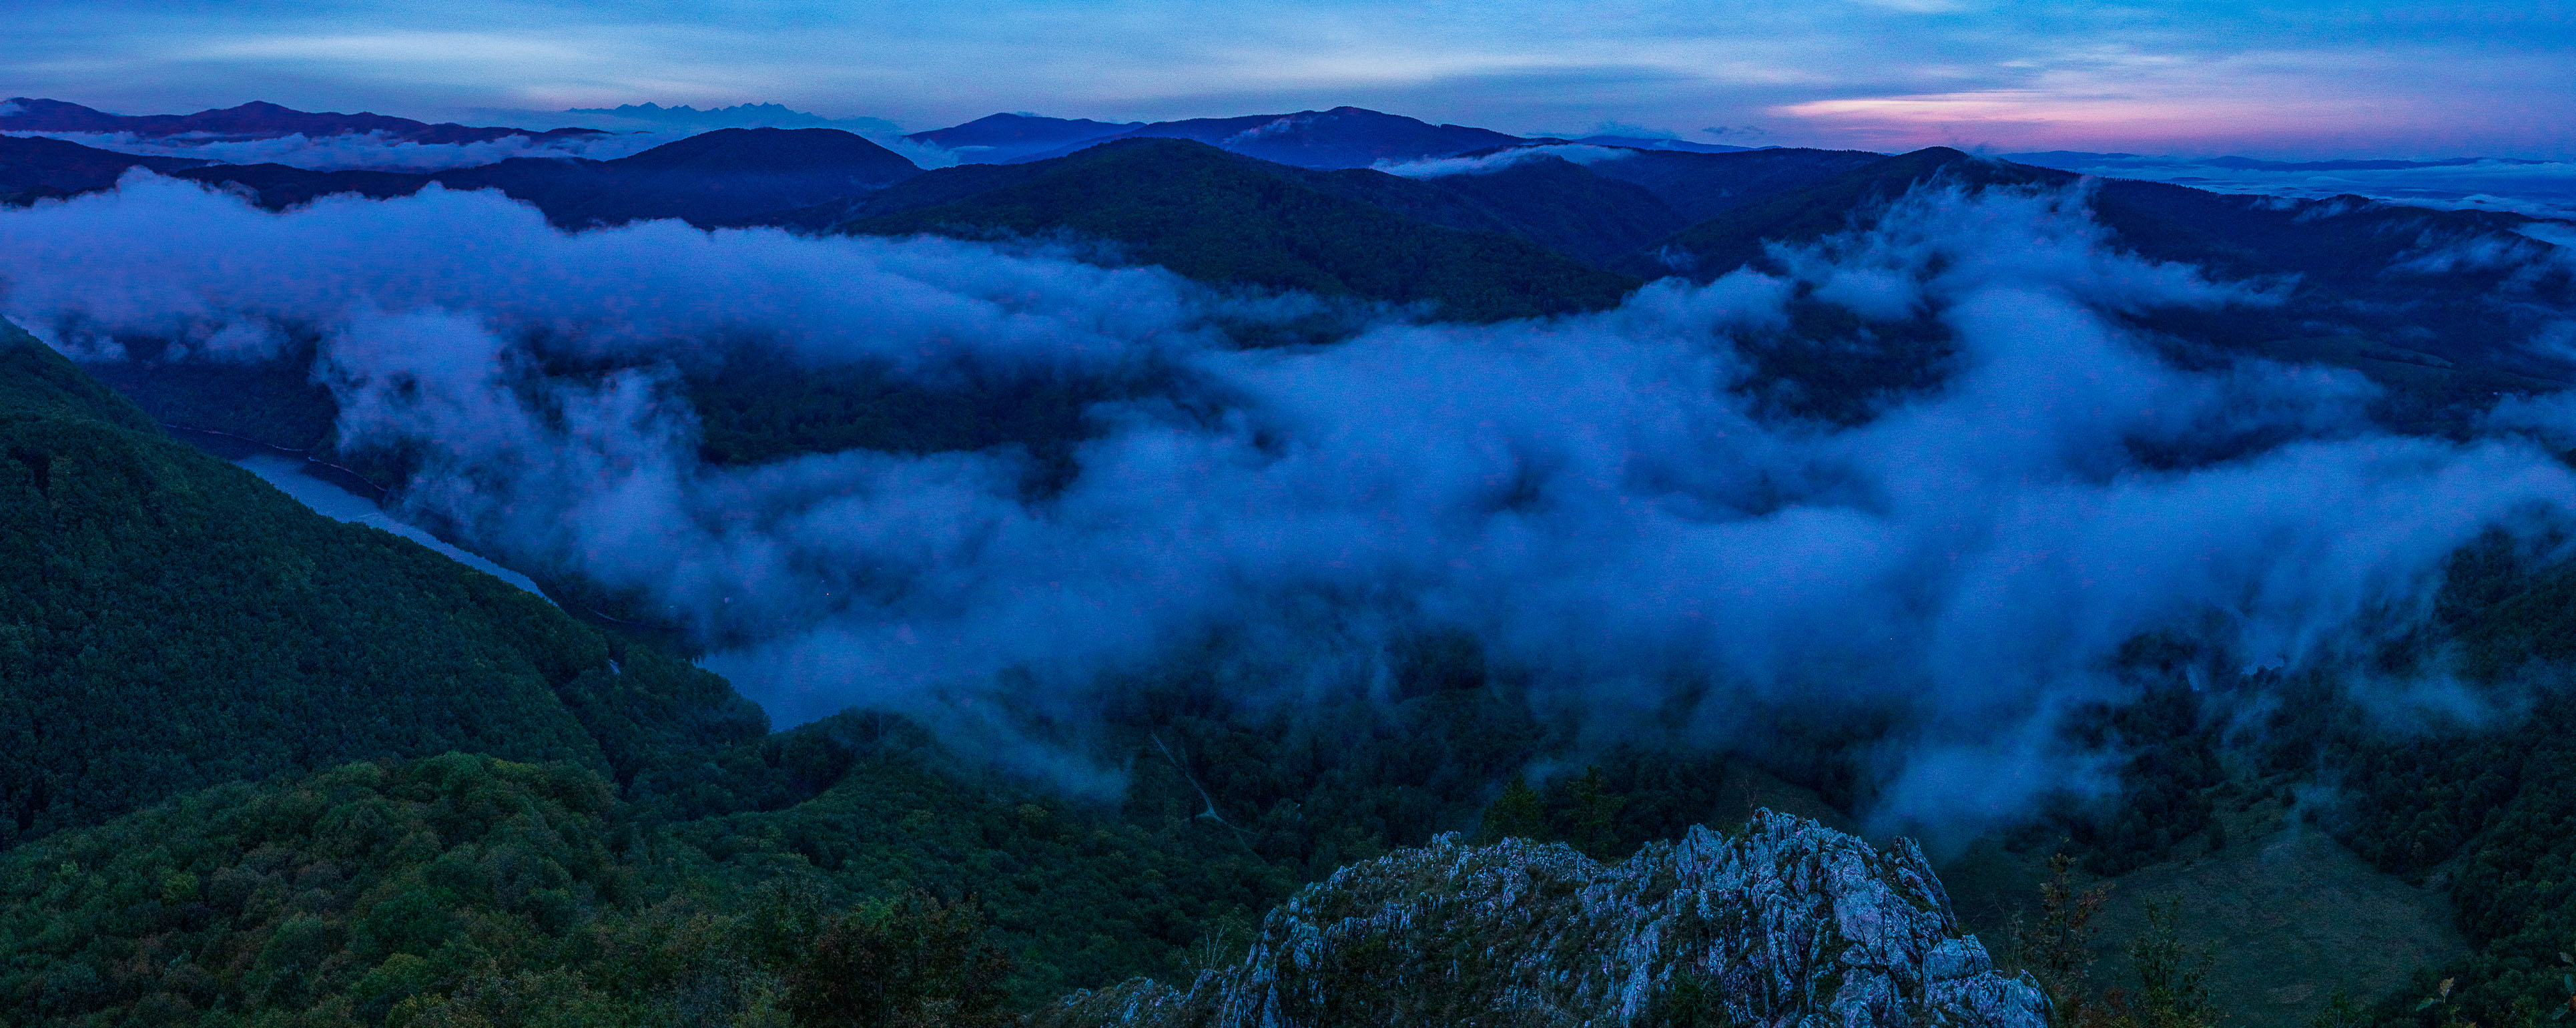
<point x="1589" y="497"/>
<point x="2312" y="78"/>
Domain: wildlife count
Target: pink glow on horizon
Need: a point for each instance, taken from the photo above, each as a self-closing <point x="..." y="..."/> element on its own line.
<point x="2031" y="120"/>
<point x="2261" y="114"/>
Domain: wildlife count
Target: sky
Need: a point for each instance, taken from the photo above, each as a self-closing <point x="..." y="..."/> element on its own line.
<point x="2300" y="79"/>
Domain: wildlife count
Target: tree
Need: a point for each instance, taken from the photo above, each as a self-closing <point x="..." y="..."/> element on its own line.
<point x="2059" y="951"/>
<point x="1516" y="814"/>
<point x="913" y="963"/>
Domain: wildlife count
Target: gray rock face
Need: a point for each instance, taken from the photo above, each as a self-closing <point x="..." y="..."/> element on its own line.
<point x="1786" y="923"/>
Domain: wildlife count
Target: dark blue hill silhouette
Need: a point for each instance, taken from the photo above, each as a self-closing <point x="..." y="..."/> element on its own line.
<point x="775" y="151"/>
<point x="35" y="168"/>
<point x="1700" y="186"/>
<point x="254" y="120"/>
<point x="766" y="115"/>
<point x="719" y="177"/>
<point x="1652" y="143"/>
<point x="1607" y="210"/>
<point x="1412" y="199"/>
<point x="706" y="179"/>
<point x="1344" y="137"/>
<point x="1736" y="236"/>
<point x="278" y="186"/>
<point x="1226" y="218"/>
<point x="1565" y="207"/>
<point x="995" y="138"/>
<point x="1550" y="202"/>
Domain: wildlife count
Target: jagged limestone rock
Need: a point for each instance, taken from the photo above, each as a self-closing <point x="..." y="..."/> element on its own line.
<point x="1785" y="923"/>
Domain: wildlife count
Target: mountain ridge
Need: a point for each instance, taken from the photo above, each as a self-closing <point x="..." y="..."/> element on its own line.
<point x="997" y="138"/>
<point x="1342" y="137"/>
<point x="254" y="120"/>
<point x="1221" y="217"/>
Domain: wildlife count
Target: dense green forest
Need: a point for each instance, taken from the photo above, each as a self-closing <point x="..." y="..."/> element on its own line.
<point x="2486" y="810"/>
<point x="171" y="622"/>
<point x="453" y="890"/>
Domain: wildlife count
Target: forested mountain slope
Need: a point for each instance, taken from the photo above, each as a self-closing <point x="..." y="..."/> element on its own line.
<point x="171" y="622"/>
<point x="1218" y="217"/>
<point x="720" y="177"/>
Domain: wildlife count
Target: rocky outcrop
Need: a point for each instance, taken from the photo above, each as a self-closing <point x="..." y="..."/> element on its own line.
<point x="1784" y="923"/>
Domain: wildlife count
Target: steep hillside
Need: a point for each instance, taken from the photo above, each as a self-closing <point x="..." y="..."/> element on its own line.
<point x="1220" y="218"/>
<point x="173" y="622"/>
<point x="2478" y="810"/>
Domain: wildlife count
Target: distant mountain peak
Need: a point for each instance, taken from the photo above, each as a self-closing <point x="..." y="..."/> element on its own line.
<point x="1341" y="137"/>
<point x="776" y="150"/>
<point x="655" y="117"/>
<point x="257" y="119"/>
<point x="1275" y="126"/>
<point x="996" y="138"/>
<point x="1658" y="143"/>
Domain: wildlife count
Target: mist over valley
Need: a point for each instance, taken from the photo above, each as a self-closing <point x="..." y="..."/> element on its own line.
<point x="1058" y="542"/>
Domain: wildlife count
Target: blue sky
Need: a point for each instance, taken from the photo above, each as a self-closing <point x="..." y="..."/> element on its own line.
<point x="2157" y="76"/>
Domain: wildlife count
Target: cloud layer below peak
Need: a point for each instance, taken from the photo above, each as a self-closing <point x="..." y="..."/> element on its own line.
<point x="1593" y="499"/>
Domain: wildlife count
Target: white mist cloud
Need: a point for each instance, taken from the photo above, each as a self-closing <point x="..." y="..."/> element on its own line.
<point x="1589" y="496"/>
<point x="168" y="259"/>
<point x="1436" y="167"/>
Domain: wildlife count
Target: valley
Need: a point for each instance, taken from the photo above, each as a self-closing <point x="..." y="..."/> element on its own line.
<point x="1061" y="590"/>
